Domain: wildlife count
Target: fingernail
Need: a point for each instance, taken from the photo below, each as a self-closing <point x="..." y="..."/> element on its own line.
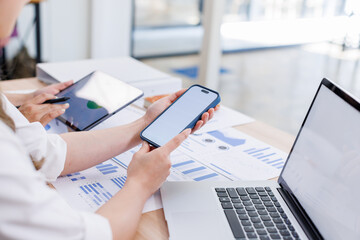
<point x="66" y="105"/>
<point x="63" y="110"/>
<point x="187" y="132"/>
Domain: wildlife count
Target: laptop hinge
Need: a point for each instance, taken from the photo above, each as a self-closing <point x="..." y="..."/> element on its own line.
<point x="300" y="215"/>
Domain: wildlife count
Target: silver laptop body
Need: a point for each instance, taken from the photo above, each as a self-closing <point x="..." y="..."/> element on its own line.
<point x="318" y="189"/>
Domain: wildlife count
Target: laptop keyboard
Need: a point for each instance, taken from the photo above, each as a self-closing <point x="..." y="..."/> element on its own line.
<point x="255" y="213"/>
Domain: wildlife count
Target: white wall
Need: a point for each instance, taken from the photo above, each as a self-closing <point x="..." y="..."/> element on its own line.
<point x="111" y="28"/>
<point x="78" y="29"/>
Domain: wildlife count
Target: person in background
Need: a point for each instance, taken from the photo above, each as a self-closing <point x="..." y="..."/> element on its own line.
<point x="30" y="157"/>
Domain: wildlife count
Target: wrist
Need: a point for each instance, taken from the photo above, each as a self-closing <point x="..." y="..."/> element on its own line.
<point x="134" y="186"/>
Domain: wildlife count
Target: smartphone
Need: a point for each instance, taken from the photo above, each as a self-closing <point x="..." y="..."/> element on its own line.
<point x="181" y="114"/>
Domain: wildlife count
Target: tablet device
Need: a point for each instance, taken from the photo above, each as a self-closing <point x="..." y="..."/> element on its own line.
<point x="95" y="98"/>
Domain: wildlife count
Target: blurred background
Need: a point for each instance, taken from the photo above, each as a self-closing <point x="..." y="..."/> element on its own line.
<point x="275" y="52"/>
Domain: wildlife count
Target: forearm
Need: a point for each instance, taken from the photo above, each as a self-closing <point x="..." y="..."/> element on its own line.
<point x="18" y="99"/>
<point x="88" y="148"/>
<point x="124" y="211"/>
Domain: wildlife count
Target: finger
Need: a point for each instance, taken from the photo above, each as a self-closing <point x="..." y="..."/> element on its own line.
<point x="198" y="125"/>
<point x="61" y="86"/>
<point x="54" y="107"/>
<point x="205" y="117"/>
<point x="42" y="98"/>
<point x="211" y="113"/>
<point x="145" y="148"/>
<point x="50" y="116"/>
<point x="175" y="142"/>
<point x="217" y="107"/>
<point x="176" y="95"/>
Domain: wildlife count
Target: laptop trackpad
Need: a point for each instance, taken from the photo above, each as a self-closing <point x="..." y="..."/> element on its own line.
<point x="195" y="225"/>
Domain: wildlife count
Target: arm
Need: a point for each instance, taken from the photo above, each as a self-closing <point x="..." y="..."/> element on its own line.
<point x="146" y="172"/>
<point x="89" y="148"/>
<point x="18" y="99"/>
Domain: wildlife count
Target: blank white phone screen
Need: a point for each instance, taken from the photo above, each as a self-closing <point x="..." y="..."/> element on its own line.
<point x="179" y="115"/>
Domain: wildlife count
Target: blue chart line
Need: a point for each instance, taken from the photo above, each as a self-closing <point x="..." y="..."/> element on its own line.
<point x="182" y="163"/>
<point x="107" y="168"/>
<point x="120" y="162"/>
<point x="205" y="177"/>
<point x="194" y="170"/>
<point x="270" y="158"/>
<point x="75" y="176"/>
<point x="231" y="141"/>
<point x="96" y="193"/>
<point x="119" y="181"/>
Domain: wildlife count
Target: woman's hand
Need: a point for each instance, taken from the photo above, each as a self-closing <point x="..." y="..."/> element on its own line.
<point x="53" y="88"/>
<point x="35" y="111"/>
<point x="157" y="107"/>
<point x="149" y="169"/>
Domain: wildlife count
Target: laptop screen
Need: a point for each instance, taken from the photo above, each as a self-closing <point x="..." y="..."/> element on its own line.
<point x="323" y="168"/>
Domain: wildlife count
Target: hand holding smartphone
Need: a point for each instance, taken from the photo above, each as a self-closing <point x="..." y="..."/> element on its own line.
<point x="181" y="114"/>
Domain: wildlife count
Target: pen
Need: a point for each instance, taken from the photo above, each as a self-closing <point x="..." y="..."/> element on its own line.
<point x="56" y="100"/>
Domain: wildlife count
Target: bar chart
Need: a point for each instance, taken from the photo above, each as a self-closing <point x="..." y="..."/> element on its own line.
<point x="266" y="155"/>
<point x="76" y="176"/>
<point x="193" y="170"/>
<point x="107" y="168"/>
<point x="96" y="193"/>
<point x="119" y="181"/>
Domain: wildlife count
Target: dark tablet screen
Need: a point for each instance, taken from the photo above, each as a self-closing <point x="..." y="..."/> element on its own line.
<point x="94" y="98"/>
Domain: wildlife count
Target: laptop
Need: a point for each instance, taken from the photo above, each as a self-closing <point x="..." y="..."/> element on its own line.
<point x="317" y="195"/>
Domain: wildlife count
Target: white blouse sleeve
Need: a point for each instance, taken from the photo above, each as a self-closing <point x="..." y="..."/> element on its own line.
<point x="30" y="209"/>
<point x="38" y="143"/>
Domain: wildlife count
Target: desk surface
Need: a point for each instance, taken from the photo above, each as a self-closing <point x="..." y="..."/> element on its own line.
<point x="152" y="224"/>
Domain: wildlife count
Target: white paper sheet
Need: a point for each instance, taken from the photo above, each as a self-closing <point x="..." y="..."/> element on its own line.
<point x="89" y="189"/>
<point x="235" y="155"/>
<point x="225" y="117"/>
<point x="221" y="155"/>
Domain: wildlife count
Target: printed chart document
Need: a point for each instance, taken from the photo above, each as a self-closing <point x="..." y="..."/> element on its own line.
<point x="89" y="189"/>
<point x="218" y="155"/>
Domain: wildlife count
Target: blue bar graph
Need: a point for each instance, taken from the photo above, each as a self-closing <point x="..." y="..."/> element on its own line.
<point x="96" y="193"/>
<point x="119" y="181"/>
<point x="107" y="168"/>
<point x="258" y="150"/>
<point x="75" y="176"/>
<point x="182" y="163"/>
<point x="267" y="156"/>
<point x="194" y="170"/>
<point x="205" y="177"/>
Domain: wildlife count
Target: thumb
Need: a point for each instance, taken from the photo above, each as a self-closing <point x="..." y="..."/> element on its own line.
<point x="145" y="148"/>
<point x="176" y="141"/>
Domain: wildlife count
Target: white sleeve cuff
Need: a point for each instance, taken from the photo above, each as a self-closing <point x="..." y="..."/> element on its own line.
<point x="55" y="156"/>
<point x="96" y="227"/>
